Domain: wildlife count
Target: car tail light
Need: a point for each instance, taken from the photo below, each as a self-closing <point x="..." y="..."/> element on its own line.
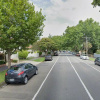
<point x="6" y="74"/>
<point x="21" y="73"/>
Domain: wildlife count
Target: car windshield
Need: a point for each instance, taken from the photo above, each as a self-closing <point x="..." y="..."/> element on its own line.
<point x="85" y="55"/>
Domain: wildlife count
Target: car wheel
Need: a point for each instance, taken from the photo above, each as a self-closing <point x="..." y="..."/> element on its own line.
<point x="25" y="80"/>
<point x="36" y="72"/>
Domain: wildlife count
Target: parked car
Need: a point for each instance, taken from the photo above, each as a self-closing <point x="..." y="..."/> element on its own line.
<point x="97" y="61"/>
<point x="84" y="57"/>
<point x="73" y="53"/>
<point x="81" y="56"/>
<point x="77" y="54"/>
<point x="55" y="53"/>
<point x="20" y="73"/>
<point x="48" y="58"/>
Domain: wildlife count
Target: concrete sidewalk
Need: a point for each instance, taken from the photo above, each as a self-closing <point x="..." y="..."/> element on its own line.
<point x="24" y="61"/>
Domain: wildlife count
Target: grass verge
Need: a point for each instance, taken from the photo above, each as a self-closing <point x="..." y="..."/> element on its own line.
<point x="2" y="76"/>
<point x="92" y="59"/>
<point x="40" y="59"/>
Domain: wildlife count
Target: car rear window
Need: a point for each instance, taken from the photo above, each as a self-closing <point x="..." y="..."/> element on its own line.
<point x="15" y="68"/>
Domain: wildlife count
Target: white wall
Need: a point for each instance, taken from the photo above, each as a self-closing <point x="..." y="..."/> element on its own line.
<point x="14" y="57"/>
<point x="33" y="55"/>
<point x="96" y="55"/>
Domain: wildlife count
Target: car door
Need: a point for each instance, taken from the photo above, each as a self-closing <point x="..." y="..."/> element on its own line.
<point x="96" y="61"/>
<point x="99" y="61"/>
<point x="28" y="70"/>
<point x="32" y="69"/>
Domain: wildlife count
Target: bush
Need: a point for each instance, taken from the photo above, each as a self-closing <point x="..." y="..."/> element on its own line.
<point x="14" y="61"/>
<point x="98" y="52"/>
<point x="40" y="53"/>
<point x="2" y="62"/>
<point x="23" y="54"/>
<point x="49" y="52"/>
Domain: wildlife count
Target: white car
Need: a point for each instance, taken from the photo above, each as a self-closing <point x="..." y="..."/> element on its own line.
<point x="81" y="56"/>
<point x="84" y="57"/>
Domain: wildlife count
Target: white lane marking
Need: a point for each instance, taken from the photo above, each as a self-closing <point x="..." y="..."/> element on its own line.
<point x="91" y="98"/>
<point x="90" y="66"/>
<point x="44" y="81"/>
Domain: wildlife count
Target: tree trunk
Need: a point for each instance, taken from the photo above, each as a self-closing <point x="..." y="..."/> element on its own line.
<point x="46" y="52"/>
<point x="9" y="58"/>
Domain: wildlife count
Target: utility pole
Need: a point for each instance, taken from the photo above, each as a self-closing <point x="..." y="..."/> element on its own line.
<point x="86" y="43"/>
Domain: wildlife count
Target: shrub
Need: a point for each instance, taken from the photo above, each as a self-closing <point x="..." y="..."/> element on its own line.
<point x="98" y="52"/>
<point x="40" y="53"/>
<point x="23" y="54"/>
<point x="49" y="52"/>
<point x="14" y="61"/>
<point x="2" y="62"/>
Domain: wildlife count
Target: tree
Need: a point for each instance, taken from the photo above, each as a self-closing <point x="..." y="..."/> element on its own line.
<point x="91" y="29"/>
<point x="20" y="25"/>
<point x="58" y="41"/>
<point x="96" y="3"/>
<point x="87" y="46"/>
<point x="73" y="36"/>
<point x="46" y="44"/>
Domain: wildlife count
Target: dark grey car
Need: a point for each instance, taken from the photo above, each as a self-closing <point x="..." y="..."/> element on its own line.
<point x="20" y="73"/>
<point x="97" y="61"/>
<point x="48" y="58"/>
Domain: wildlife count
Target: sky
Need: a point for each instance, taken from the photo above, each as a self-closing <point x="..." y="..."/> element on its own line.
<point x="62" y="13"/>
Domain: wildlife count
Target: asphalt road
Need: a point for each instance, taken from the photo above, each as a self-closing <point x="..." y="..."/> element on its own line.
<point x="65" y="78"/>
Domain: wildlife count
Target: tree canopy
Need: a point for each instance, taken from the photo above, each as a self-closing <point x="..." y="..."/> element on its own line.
<point x="96" y="3"/>
<point x="20" y="24"/>
<point x="58" y="41"/>
<point x="74" y="36"/>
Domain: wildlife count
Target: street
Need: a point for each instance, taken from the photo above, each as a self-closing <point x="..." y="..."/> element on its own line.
<point x="67" y="77"/>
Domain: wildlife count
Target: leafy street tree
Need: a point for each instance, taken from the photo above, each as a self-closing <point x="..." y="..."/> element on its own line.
<point x="58" y="41"/>
<point x="46" y="44"/>
<point x="86" y="47"/>
<point x="74" y="36"/>
<point x="91" y="29"/>
<point x="35" y="46"/>
<point x="96" y="3"/>
<point x="20" y="25"/>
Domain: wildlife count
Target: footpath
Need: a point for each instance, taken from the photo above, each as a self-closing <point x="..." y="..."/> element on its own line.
<point x="23" y="61"/>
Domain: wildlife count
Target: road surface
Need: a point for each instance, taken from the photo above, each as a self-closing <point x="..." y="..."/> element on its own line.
<point x="65" y="78"/>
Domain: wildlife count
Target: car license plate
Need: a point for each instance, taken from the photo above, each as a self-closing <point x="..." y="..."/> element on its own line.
<point x="11" y="80"/>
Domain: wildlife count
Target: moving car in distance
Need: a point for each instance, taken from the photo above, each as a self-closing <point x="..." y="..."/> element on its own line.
<point x="48" y="57"/>
<point x="97" y="61"/>
<point x="20" y="73"/>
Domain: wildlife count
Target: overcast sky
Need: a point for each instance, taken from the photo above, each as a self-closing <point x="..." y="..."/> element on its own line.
<point x="63" y="13"/>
